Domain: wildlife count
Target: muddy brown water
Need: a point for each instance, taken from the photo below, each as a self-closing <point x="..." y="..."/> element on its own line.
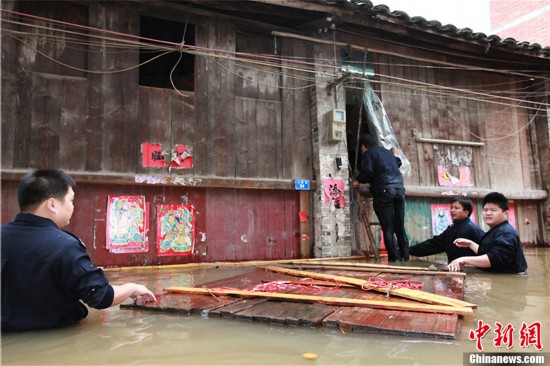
<point x="132" y="337"/>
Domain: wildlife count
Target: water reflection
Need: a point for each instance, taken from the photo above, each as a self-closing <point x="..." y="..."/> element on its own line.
<point x="129" y="337"/>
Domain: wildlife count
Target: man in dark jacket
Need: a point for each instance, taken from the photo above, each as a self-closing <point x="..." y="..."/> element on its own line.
<point x="46" y="272"/>
<point x="380" y="168"/>
<point x="499" y="250"/>
<point x="462" y="227"/>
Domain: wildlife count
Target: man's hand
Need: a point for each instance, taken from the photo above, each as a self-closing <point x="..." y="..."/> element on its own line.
<point x="355" y="183"/>
<point x="143" y="295"/>
<point x="455" y="265"/>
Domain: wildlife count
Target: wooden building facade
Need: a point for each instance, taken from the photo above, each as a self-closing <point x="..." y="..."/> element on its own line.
<point x="222" y="106"/>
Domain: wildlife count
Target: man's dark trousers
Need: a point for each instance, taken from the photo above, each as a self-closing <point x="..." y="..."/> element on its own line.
<point x="389" y="206"/>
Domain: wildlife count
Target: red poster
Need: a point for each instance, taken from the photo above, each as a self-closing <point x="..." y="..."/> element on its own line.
<point x="175" y="230"/>
<point x="334" y="191"/>
<point x="182" y="157"/>
<point x="152" y="155"/>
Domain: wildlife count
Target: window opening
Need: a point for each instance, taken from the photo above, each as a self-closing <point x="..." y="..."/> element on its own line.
<point x="157" y="72"/>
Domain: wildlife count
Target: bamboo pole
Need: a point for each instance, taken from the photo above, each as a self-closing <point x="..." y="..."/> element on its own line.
<point x="360" y="267"/>
<point x="328" y="300"/>
<point x="417" y="295"/>
<point x="228" y="264"/>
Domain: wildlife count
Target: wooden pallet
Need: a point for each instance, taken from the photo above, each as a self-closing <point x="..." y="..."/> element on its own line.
<point x="346" y="318"/>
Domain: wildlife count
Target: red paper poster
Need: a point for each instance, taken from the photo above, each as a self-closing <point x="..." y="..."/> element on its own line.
<point x="182" y="157"/>
<point x="152" y="155"/>
<point x="127" y="224"/>
<point x="334" y="191"/>
<point x="445" y="178"/>
<point x="175" y="230"/>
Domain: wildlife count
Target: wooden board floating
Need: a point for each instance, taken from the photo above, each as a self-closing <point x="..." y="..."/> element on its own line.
<point x="375" y="304"/>
<point x="350" y="316"/>
<point x="401" y="292"/>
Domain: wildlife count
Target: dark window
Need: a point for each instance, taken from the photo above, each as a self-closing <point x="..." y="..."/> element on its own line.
<point x="156" y="73"/>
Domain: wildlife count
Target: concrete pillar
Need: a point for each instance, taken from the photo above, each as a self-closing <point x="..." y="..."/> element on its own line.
<point x="332" y="229"/>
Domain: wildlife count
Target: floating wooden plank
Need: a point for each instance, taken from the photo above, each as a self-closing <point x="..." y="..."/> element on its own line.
<point x="377" y="304"/>
<point x="193" y="304"/>
<point x="417" y="295"/>
<point x="288" y="313"/>
<point x="356" y="265"/>
<point x="360" y="319"/>
<point x="373" y="267"/>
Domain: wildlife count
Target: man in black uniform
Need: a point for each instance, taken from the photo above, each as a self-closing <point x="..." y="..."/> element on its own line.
<point x="46" y="272"/>
<point x="462" y="227"/>
<point x="499" y="250"/>
<point x="380" y="168"/>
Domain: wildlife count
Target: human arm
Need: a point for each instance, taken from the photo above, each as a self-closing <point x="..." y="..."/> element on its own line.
<point x="480" y="261"/>
<point x="466" y="243"/>
<point x="431" y="246"/>
<point x="136" y="291"/>
<point x="88" y="283"/>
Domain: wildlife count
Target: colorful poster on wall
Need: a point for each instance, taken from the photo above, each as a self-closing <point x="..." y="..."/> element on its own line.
<point x="445" y="178"/>
<point x="441" y="218"/>
<point x="175" y="230"/>
<point x="334" y="191"/>
<point x="127" y="224"/>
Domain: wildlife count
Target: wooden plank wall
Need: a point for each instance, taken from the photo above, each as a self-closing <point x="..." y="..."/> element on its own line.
<point x="231" y="224"/>
<point x="446" y="114"/>
<point x="239" y="122"/>
<point x="505" y="162"/>
<point x="243" y="120"/>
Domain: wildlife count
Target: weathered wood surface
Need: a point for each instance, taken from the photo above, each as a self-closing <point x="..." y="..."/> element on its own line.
<point x="330" y="300"/>
<point x="346" y="318"/>
<point x="364" y="283"/>
<point x="394" y="322"/>
<point x="372" y="267"/>
<point x="193" y="304"/>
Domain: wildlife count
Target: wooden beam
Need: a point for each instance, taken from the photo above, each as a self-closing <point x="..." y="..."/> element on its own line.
<point x="417" y="295"/>
<point x="328" y="300"/>
<point x="365" y="267"/>
<point x="167" y="180"/>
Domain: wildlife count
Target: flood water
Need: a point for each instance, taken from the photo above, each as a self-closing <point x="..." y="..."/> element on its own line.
<point x="129" y="337"/>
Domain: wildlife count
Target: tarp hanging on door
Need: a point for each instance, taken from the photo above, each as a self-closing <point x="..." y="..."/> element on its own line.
<point x="380" y="125"/>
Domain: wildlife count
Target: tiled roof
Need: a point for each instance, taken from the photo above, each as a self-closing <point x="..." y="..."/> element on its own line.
<point x="420" y="23"/>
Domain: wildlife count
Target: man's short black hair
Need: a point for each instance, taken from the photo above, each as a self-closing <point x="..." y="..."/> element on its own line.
<point x="466" y="203"/>
<point x="497" y="199"/>
<point x="368" y="140"/>
<point x="42" y="184"/>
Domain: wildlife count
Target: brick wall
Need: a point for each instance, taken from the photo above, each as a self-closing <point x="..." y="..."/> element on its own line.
<point x="522" y="20"/>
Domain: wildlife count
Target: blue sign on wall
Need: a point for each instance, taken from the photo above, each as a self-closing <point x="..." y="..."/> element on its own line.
<point x="301" y="184"/>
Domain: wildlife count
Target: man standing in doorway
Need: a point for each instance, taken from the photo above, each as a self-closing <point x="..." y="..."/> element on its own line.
<point x="380" y="168"/>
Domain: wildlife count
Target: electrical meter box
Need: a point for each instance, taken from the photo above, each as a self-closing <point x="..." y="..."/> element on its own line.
<point x="336" y="125"/>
